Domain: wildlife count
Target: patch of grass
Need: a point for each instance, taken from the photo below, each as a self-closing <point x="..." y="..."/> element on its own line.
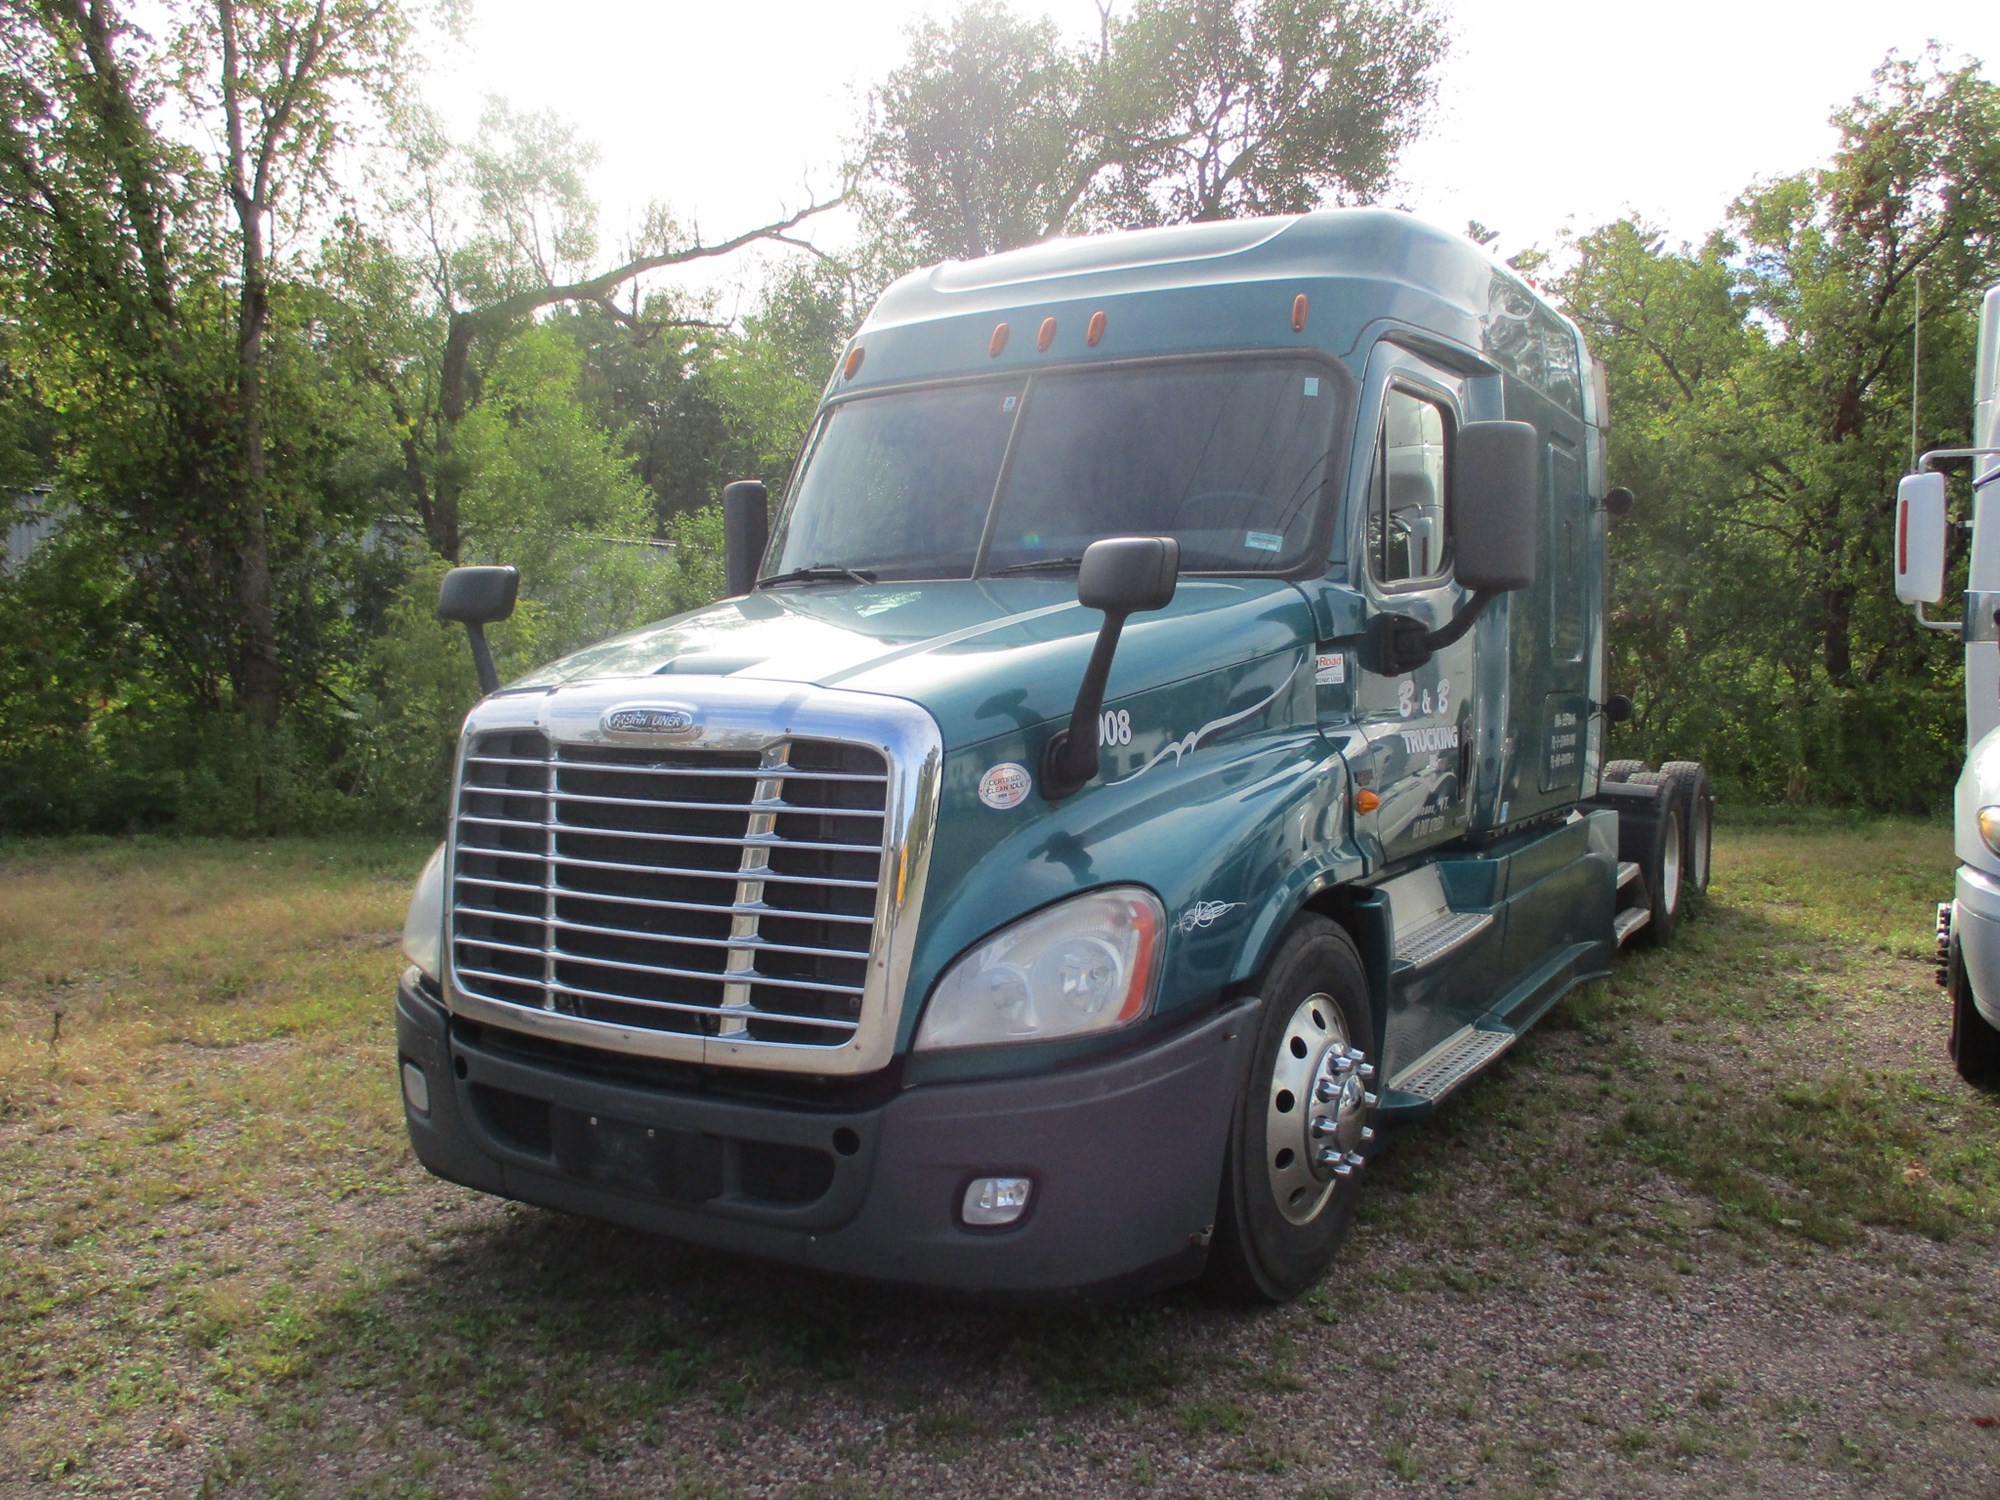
<point x="219" y="1265"/>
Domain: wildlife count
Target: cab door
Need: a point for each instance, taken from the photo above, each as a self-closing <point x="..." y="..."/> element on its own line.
<point x="1415" y="727"/>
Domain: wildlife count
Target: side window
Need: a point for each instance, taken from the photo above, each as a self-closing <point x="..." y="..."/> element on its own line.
<point x="1408" y="535"/>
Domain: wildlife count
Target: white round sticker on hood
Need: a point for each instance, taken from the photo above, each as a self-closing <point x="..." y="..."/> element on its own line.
<point x="1005" y="785"/>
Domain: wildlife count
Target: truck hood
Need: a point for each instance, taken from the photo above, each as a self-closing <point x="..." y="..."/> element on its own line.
<point x="983" y="656"/>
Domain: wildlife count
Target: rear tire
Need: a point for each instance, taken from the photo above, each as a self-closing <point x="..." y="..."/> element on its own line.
<point x="1299" y="1137"/>
<point x="1975" y="1045"/>
<point x="1621" y="770"/>
<point x="1698" y="827"/>
<point x="1661" y="853"/>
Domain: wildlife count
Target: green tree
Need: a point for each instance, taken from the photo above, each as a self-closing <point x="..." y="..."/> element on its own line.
<point x="1761" y="390"/>
<point x="994" y="132"/>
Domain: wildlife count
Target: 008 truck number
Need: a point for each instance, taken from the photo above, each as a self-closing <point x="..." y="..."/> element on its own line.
<point x="1114" y="727"/>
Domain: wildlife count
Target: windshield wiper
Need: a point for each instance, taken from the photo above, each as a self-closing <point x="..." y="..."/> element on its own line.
<point x="1038" y="565"/>
<point x="816" y="573"/>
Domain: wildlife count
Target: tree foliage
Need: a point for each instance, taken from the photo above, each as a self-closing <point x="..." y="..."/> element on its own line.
<point x="994" y="132"/>
<point x="1761" y="388"/>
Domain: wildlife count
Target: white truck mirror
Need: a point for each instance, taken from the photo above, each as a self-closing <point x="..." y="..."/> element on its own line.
<point x="1920" y="535"/>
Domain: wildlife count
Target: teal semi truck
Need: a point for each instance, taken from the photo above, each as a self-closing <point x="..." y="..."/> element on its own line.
<point x="1157" y="745"/>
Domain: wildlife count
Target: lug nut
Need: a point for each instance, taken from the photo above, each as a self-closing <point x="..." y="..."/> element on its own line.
<point x="1344" y="1171"/>
<point x="1368" y="1100"/>
<point x="1322" y="1127"/>
<point x="1367" y="1134"/>
<point x="1329" y="1156"/>
<point x="1367" y="1071"/>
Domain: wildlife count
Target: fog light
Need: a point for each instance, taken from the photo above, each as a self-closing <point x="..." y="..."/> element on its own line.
<point x="995" y="1200"/>
<point x="416" y="1088"/>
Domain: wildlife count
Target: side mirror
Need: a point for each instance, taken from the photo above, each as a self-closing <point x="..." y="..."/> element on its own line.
<point x="1121" y="576"/>
<point x="476" y="598"/>
<point x="1921" y="527"/>
<point x="746" y="531"/>
<point x="1495" y="497"/>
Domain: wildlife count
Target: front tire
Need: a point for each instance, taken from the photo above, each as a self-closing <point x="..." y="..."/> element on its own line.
<point x="1975" y="1045"/>
<point x="1299" y="1139"/>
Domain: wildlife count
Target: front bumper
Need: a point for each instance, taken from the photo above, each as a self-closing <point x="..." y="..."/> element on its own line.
<point x="1126" y="1158"/>
<point x="1975" y="922"/>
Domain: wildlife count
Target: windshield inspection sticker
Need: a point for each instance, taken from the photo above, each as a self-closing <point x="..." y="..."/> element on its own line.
<point x="1005" y="785"/>
<point x="1312" y="385"/>
<point x="1264" y="541"/>
<point x="1330" y="669"/>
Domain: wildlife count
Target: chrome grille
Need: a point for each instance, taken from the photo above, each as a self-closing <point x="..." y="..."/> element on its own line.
<point x="721" y="893"/>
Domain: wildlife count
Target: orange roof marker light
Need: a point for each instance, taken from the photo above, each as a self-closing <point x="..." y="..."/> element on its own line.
<point x="998" y="341"/>
<point x="1046" y="336"/>
<point x="853" y="364"/>
<point x="1299" y="308"/>
<point x="1095" y="333"/>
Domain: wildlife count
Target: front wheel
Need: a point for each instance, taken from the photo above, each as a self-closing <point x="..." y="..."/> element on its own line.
<point x="1975" y="1045"/>
<point x="1300" y="1136"/>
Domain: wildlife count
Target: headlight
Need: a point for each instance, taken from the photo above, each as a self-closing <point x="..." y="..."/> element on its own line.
<point x="1989" y="827"/>
<point x="1084" y="965"/>
<point x="423" y="929"/>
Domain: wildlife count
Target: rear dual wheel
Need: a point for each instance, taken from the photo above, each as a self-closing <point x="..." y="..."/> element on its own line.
<point x="1300" y="1138"/>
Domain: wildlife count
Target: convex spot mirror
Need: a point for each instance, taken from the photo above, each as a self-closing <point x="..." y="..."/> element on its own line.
<point x="1920" y="537"/>
<point x="1495" y="487"/>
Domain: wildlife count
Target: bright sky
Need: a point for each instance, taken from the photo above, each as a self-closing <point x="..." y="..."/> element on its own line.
<point x="1552" y="114"/>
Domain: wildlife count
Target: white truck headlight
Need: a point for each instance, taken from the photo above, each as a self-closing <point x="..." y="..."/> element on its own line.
<point x="423" y="929"/>
<point x="1989" y="827"/>
<point x="1083" y="965"/>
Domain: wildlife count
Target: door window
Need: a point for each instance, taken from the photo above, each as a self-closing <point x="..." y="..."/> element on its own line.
<point x="1408" y="533"/>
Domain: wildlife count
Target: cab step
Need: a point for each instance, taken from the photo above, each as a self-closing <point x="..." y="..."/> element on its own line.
<point x="1439" y="936"/>
<point x="1451" y="1062"/>
<point x="1628" y="871"/>
<point x="1428" y="929"/>
<point x="1629" y="921"/>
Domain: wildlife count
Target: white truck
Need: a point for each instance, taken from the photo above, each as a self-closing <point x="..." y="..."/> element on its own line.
<point x="1968" y="926"/>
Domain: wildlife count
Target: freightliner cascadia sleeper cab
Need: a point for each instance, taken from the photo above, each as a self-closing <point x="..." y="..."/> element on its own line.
<point x="1157" y="744"/>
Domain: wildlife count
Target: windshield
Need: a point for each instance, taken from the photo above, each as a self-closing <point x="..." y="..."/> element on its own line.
<point x="1228" y="456"/>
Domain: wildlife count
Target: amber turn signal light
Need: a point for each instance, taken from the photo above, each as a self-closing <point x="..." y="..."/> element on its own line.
<point x="1366" y="802"/>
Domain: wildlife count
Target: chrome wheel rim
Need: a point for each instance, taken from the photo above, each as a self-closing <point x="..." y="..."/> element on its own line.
<point x="1315" y="1110"/>
<point x="1698" y="847"/>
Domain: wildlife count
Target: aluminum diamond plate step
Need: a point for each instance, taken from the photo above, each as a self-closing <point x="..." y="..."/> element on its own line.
<point x="1439" y="936"/>
<point x="1451" y="1062"/>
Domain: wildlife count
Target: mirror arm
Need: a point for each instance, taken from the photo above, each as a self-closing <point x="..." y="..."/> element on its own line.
<point x="1071" y="757"/>
<point x="1461" y="622"/>
<point x="1405" y="645"/>
<point x="482" y="657"/>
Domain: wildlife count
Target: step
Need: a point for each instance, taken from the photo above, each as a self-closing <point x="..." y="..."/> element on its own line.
<point x="1440" y="935"/>
<point x="1629" y="921"/>
<point x="1628" y="871"/>
<point x="1451" y="1062"/>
